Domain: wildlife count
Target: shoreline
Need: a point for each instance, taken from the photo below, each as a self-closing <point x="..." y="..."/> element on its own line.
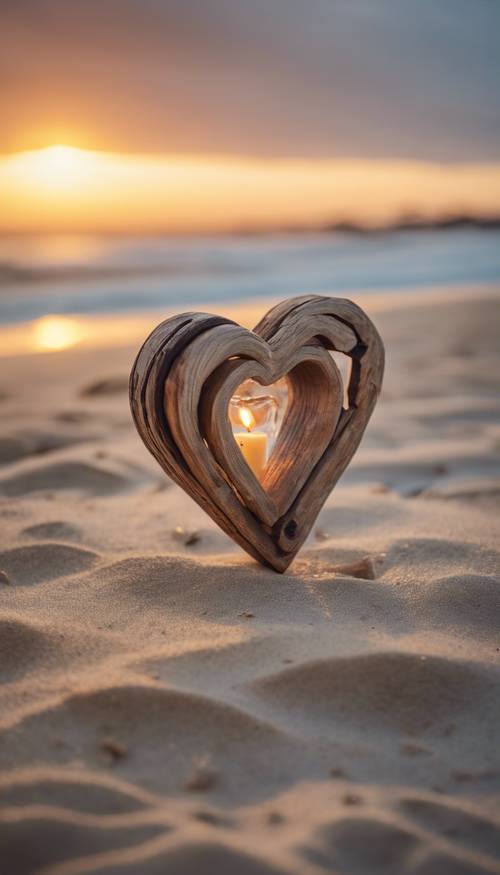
<point x="125" y="328"/>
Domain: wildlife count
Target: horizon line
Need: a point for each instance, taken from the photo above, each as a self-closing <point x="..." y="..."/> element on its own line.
<point x="406" y="222"/>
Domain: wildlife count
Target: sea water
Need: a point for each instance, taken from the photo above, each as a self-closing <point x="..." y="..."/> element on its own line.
<point x="113" y="274"/>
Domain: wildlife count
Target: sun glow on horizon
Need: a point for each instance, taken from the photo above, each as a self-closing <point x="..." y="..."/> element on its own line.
<point x="65" y="188"/>
<point x="53" y="333"/>
<point x="57" y="168"/>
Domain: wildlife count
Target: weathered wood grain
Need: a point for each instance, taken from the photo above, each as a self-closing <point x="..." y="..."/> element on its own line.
<point x="180" y="387"/>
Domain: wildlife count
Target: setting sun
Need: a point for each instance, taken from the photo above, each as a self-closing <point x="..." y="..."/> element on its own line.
<point x="56" y="168"/>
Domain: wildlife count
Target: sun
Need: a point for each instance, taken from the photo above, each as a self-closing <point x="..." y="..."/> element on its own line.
<point x="57" y="168"/>
<point x="60" y="155"/>
<point x="63" y="166"/>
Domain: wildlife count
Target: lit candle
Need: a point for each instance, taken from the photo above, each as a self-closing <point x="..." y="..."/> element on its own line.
<point x="253" y="444"/>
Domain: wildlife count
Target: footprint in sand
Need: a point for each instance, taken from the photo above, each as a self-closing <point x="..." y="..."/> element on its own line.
<point x="54" y="530"/>
<point x="21" y="444"/>
<point x="436" y="863"/>
<point x="81" y="476"/>
<point x="86" y="792"/>
<point x="39" y="562"/>
<point x="470" y="602"/>
<point x="24" y="646"/>
<point x="362" y="846"/>
<point x="403" y="692"/>
<point x="203" y="858"/>
<point x="32" y="841"/>
<point x="476" y="832"/>
<point x="434" y="557"/>
<point x="367" y="846"/>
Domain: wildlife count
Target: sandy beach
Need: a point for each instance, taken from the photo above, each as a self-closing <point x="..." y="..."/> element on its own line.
<point x="168" y="707"/>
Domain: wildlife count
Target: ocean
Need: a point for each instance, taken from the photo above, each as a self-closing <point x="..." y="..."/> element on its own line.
<point x="91" y="275"/>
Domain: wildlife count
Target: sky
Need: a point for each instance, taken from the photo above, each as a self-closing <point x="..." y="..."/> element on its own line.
<point x="221" y="113"/>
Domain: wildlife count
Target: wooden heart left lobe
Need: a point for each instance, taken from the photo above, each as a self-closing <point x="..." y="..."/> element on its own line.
<point x="180" y="387"/>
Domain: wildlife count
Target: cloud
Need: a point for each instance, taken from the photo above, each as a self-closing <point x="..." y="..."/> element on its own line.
<point x="294" y="78"/>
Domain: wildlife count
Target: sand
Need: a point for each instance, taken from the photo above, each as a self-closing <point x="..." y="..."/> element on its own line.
<point x="171" y="707"/>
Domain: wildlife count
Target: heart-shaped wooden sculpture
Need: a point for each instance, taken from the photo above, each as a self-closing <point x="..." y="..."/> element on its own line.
<point x="180" y="387"/>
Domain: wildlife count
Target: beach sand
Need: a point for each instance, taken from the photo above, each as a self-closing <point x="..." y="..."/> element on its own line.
<point x="168" y="707"/>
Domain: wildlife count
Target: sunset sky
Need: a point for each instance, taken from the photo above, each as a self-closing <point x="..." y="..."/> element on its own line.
<point x="157" y="115"/>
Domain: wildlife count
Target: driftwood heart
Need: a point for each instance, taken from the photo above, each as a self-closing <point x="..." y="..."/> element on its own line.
<point x="180" y="387"/>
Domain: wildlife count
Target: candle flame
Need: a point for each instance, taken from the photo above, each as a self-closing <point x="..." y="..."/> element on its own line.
<point x="247" y="418"/>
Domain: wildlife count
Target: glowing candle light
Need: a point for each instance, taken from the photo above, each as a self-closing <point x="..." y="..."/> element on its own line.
<point x="253" y="444"/>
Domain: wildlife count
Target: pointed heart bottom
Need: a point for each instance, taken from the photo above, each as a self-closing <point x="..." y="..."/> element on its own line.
<point x="180" y="387"/>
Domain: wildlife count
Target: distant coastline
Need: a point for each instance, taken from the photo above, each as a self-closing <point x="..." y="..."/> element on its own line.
<point x="416" y="223"/>
<point x="451" y="222"/>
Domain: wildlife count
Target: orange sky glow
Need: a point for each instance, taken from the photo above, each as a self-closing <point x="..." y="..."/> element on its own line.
<point x="64" y="188"/>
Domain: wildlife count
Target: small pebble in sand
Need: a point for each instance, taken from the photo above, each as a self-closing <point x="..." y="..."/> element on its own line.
<point x="73" y="416"/>
<point x="115" y="748"/>
<point x="186" y="536"/>
<point x="351" y="799"/>
<point x="274" y="818"/>
<point x="337" y="773"/>
<point x="108" y="386"/>
<point x="380" y="489"/>
<point x="210" y="817"/>
<point x="4" y="578"/>
<point x="462" y="777"/>
<point x="412" y="749"/>
<point x="321" y="535"/>
<point x="202" y="778"/>
<point x="247" y="614"/>
<point x="364" y="569"/>
<point x="440" y="469"/>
